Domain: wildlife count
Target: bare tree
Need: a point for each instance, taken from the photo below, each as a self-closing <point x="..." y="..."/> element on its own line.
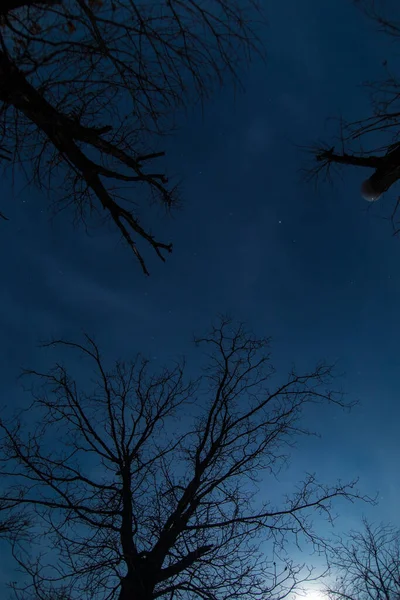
<point x="86" y="86"/>
<point x="145" y="487"/>
<point x="372" y="142"/>
<point x="367" y="565"/>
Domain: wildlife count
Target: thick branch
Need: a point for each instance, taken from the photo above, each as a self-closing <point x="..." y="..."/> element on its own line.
<point x="349" y="159"/>
<point x="183" y="564"/>
<point x="63" y="133"/>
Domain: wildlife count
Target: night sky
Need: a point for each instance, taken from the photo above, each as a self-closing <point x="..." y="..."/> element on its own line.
<point x="315" y="270"/>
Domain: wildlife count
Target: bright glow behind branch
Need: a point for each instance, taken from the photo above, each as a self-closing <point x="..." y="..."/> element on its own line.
<point x="368" y="192"/>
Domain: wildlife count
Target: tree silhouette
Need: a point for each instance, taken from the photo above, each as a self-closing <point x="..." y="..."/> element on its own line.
<point x="367" y="565"/>
<point x="145" y="486"/>
<point x="372" y="142"/>
<point x="87" y="87"/>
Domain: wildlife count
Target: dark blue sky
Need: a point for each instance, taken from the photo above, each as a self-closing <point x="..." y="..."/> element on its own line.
<point x="317" y="271"/>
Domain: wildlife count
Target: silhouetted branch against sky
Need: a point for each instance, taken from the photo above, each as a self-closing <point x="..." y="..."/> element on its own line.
<point x="367" y="564"/>
<point x="144" y="485"/>
<point x="356" y="144"/>
<point x="87" y="87"/>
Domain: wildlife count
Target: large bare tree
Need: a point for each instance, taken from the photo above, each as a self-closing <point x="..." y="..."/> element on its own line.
<point x="88" y="86"/>
<point x="373" y="142"/>
<point x="153" y="486"/>
<point x="367" y="565"/>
